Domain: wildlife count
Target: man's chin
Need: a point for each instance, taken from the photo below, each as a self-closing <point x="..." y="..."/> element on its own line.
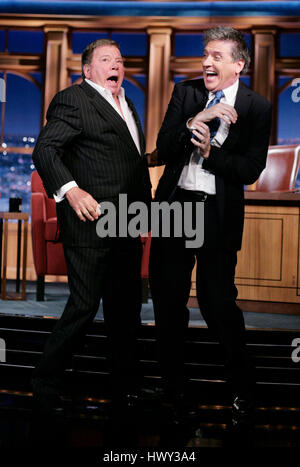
<point x="211" y="85"/>
<point x="113" y="89"/>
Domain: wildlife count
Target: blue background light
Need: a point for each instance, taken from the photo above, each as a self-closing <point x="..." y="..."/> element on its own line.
<point x="24" y="99"/>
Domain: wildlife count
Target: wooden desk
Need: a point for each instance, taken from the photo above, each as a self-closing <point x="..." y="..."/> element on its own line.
<point x="268" y="267"/>
<point x="20" y="217"/>
<point x="268" y="263"/>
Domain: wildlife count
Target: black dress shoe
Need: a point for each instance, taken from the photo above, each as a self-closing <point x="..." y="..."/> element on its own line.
<point x="46" y="398"/>
<point x="242" y="411"/>
<point x="44" y="403"/>
<point x="183" y="410"/>
<point x="144" y="395"/>
<point x="240" y="429"/>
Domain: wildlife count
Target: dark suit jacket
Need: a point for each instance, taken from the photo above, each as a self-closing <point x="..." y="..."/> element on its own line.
<point x="238" y="162"/>
<point x="86" y="140"/>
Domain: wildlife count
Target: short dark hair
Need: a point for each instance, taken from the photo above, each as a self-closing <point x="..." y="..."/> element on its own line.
<point x="87" y="54"/>
<point x="240" y="50"/>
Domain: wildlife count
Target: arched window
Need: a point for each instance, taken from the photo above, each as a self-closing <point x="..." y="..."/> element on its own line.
<point x="20" y="126"/>
<point x="288" y="95"/>
<point x="288" y="111"/>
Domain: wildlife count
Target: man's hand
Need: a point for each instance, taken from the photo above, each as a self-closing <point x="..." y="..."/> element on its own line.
<point x="85" y="206"/>
<point x="201" y="131"/>
<point x="223" y="111"/>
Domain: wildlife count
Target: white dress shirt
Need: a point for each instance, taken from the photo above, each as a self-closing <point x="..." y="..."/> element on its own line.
<point x="193" y="177"/>
<point x="127" y="116"/>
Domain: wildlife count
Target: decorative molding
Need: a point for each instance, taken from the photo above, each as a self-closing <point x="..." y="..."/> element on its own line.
<point x="133" y="8"/>
<point x="16" y="62"/>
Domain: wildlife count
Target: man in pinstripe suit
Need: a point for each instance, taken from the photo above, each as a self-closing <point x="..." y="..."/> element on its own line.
<point x="91" y="150"/>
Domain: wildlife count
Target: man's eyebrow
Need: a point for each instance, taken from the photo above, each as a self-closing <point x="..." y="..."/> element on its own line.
<point x="110" y="56"/>
<point x="214" y="52"/>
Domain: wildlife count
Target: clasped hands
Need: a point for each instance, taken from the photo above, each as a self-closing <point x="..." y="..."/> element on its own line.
<point x="201" y="130"/>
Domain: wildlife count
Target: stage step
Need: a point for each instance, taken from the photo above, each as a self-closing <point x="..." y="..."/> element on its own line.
<point x="87" y="391"/>
<point x="86" y="424"/>
<point x="89" y="370"/>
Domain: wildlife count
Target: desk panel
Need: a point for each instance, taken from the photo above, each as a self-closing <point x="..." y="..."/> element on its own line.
<point x="267" y="266"/>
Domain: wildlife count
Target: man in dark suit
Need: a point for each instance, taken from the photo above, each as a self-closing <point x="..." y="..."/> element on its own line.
<point x="92" y="150"/>
<point x="213" y="140"/>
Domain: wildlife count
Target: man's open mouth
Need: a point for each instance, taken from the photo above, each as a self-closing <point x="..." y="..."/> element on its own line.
<point x="211" y="74"/>
<point x="113" y="78"/>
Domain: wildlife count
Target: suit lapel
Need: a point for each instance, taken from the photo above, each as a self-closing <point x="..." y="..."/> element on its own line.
<point x="109" y="113"/>
<point x="138" y="124"/>
<point x="196" y="98"/>
<point x="201" y="95"/>
<point x="242" y="103"/>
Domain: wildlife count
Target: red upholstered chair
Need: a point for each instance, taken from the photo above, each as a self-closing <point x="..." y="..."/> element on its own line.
<point x="281" y="170"/>
<point x="47" y="254"/>
<point x="146" y="243"/>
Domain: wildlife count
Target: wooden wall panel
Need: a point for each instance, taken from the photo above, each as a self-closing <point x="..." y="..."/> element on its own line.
<point x="267" y="266"/>
<point x="158" y="90"/>
<point x="56" y="76"/>
<point x="264" y="70"/>
<point x="268" y="263"/>
<point x="262" y="242"/>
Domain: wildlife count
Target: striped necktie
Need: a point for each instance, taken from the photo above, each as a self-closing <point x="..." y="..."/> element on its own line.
<point x="215" y="123"/>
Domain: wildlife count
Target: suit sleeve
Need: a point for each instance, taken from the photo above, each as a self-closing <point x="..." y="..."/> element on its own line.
<point x="63" y="126"/>
<point x="174" y="137"/>
<point x="245" y="166"/>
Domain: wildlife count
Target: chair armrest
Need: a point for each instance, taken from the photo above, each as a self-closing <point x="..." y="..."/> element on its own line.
<point x="146" y="242"/>
<point x="38" y="207"/>
<point x="38" y="218"/>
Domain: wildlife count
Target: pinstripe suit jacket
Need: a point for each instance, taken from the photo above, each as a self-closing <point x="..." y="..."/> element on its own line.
<point x="86" y="140"/>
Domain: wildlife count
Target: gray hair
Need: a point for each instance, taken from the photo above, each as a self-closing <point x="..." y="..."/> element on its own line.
<point x="87" y="54"/>
<point x="240" y="49"/>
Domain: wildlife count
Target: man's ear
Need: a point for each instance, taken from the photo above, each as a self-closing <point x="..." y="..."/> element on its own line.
<point x="86" y="70"/>
<point x="239" y="66"/>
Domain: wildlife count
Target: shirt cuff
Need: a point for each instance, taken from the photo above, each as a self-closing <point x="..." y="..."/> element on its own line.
<point x="60" y="194"/>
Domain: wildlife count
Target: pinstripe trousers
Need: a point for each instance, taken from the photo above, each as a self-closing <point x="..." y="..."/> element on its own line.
<point x="110" y="273"/>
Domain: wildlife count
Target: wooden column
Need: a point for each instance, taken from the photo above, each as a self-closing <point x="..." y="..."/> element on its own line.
<point x="264" y="70"/>
<point x="56" y="77"/>
<point x="158" y="88"/>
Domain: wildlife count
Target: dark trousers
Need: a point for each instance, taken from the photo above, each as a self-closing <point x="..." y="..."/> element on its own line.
<point x="171" y="265"/>
<point x="113" y="274"/>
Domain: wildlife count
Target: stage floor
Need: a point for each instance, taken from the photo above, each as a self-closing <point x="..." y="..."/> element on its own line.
<point x="56" y="295"/>
<point x="87" y="420"/>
